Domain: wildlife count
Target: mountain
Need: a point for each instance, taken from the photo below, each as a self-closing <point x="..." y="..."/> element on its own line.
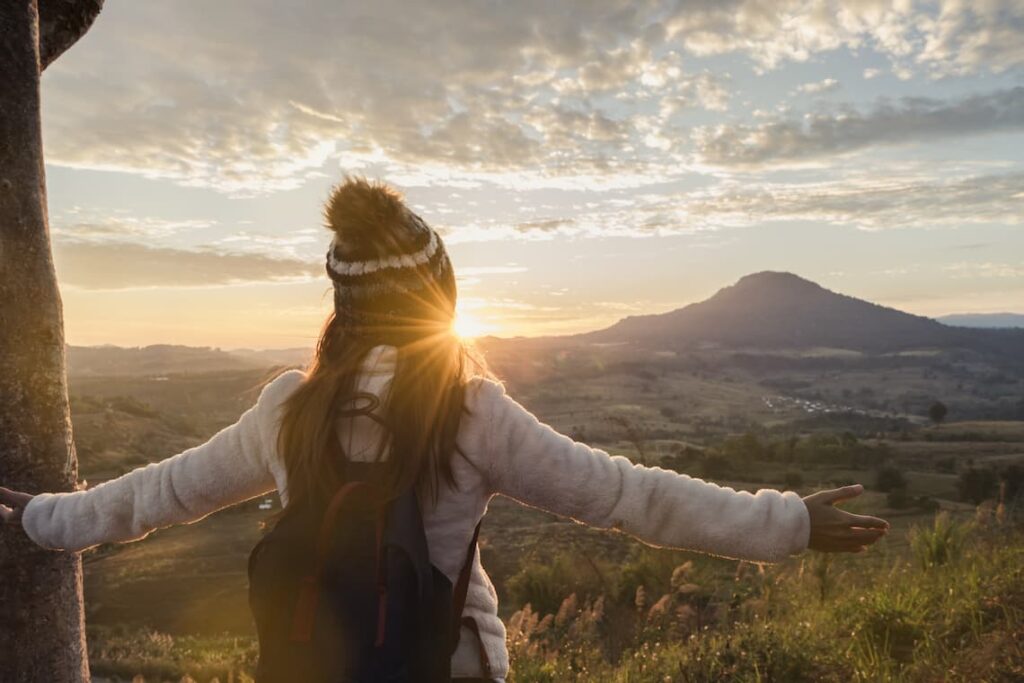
<point x="782" y="310"/>
<point x="985" y="320"/>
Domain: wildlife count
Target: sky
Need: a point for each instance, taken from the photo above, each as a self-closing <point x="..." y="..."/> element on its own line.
<point x="584" y="160"/>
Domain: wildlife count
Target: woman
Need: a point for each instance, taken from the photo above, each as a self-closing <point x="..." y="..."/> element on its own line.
<point x="388" y="347"/>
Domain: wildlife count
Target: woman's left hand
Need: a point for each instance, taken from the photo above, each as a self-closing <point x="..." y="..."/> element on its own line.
<point x="12" y="504"/>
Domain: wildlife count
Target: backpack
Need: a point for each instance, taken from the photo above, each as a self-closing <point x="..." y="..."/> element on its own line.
<point x="346" y="593"/>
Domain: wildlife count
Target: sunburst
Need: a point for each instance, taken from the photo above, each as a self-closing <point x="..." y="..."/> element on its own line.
<point x="468" y="326"/>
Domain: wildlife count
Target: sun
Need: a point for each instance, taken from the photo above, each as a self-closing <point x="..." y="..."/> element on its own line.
<point x="467" y="326"/>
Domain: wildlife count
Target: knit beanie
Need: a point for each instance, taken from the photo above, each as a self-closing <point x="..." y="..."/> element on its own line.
<point x="390" y="270"/>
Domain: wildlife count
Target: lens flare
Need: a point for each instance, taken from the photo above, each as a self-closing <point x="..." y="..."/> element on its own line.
<point x="467" y="326"/>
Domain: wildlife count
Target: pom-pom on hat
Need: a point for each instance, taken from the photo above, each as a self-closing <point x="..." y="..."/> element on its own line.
<point x="386" y="263"/>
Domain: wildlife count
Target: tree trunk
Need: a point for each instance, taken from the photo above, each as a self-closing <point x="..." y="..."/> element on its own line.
<point x="41" y="623"/>
<point x="61" y="24"/>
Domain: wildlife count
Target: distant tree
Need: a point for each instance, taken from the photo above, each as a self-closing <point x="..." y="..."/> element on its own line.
<point x="669" y="412"/>
<point x="937" y="412"/>
<point x="715" y="465"/>
<point x="897" y="498"/>
<point x="1012" y="482"/>
<point x="784" y="450"/>
<point x="794" y="480"/>
<point x="43" y="635"/>
<point x="743" y="448"/>
<point x="635" y="435"/>
<point x="890" y="478"/>
<point x="977" y="484"/>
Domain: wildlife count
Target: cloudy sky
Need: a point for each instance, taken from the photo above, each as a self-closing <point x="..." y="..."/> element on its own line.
<point x="584" y="159"/>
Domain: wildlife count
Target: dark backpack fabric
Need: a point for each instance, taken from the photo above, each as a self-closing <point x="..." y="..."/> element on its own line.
<point x="346" y="593"/>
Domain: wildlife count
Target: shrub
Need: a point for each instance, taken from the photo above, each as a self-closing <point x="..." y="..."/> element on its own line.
<point x="715" y="466"/>
<point x="793" y="480"/>
<point x="1012" y="482"/>
<point x="976" y="485"/>
<point x="132" y="406"/>
<point x="545" y="584"/>
<point x="889" y="478"/>
<point x="897" y="498"/>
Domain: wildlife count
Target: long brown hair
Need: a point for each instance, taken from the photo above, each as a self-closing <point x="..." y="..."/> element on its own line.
<point x="420" y="416"/>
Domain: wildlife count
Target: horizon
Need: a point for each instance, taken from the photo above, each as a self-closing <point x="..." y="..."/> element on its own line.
<point x="539" y="336"/>
<point x="577" y="176"/>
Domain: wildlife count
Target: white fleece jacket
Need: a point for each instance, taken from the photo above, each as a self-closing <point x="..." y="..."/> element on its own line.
<point x="509" y="452"/>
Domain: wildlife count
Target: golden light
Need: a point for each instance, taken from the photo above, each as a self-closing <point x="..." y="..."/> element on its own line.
<point x="467" y="326"/>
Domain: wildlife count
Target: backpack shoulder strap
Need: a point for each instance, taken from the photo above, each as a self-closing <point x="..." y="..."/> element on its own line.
<point x="462" y="586"/>
<point x="459" y="603"/>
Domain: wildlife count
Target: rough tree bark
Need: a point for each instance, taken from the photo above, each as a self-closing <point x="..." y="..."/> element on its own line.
<point x="61" y="24"/>
<point x="41" y="625"/>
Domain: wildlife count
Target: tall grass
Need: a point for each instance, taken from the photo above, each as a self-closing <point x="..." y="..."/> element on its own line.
<point x="953" y="610"/>
<point x="939" y="544"/>
<point x="950" y="609"/>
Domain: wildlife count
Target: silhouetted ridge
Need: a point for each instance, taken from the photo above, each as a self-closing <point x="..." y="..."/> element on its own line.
<point x="782" y="310"/>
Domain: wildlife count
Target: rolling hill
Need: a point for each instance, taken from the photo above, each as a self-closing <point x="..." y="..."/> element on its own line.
<point x="163" y="359"/>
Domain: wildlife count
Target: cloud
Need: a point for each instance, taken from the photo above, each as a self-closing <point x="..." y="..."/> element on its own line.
<point x="255" y="96"/>
<point x="84" y="223"/>
<point x="128" y="265"/>
<point x="868" y="201"/>
<point x="987" y="269"/>
<point x="879" y="196"/>
<point x="847" y="129"/>
<point x="826" y="85"/>
<point x="291" y="245"/>
<point x="471" y="276"/>
<point x="544" y="224"/>
<point x="250" y="97"/>
<point x="937" y="37"/>
<point x="964" y="37"/>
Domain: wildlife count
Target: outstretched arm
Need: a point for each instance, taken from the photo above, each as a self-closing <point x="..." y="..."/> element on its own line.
<point x="534" y="464"/>
<point x="229" y="468"/>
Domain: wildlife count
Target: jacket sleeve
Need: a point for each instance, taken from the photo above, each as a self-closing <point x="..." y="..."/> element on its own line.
<point x="534" y="464"/>
<point x="232" y="466"/>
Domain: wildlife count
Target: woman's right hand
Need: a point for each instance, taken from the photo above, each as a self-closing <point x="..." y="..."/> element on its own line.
<point x="837" y="531"/>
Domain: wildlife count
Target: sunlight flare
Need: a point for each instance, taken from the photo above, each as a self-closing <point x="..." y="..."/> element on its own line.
<point x="468" y="326"/>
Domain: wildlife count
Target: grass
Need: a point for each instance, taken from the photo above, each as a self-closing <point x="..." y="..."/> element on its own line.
<point x="940" y="544"/>
<point x="949" y="607"/>
<point x="953" y="611"/>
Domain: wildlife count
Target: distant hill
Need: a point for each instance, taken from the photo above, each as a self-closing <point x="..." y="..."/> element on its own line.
<point x="985" y="320"/>
<point x="272" y="357"/>
<point x="158" y="359"/>
<point x="782" y="310"/>
<point x="163" y="359"/>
